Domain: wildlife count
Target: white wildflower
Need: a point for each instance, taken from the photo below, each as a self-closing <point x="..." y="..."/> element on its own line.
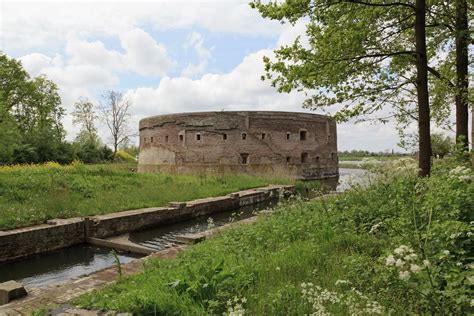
<point x="399" y="251"/>
<point x="426" y="263"/>
<point x="470" y="279"/>
<point x="411" y="257"/>
<point x="342" y="282"/>
<point x="404" y="275"/>
<point x="375" y="228"/>
<point x="390" y="261"/>
<point x="446" y="252"/>
<point x="399" y="263"/>
<point x="415" y="268"/>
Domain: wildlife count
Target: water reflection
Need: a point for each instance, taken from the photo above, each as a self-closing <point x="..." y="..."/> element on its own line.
<point x="60" y="265"/>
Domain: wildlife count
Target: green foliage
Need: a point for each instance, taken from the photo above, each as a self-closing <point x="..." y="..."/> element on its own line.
<point x="329" y="255"/>
<point x="33" y="194"/>
<point x="441" y="145"/>
<point x="124" y="156"/>
<point x="30" y="117"/>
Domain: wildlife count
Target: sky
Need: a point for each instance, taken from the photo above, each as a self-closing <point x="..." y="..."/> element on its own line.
<point x="165" y="56"/>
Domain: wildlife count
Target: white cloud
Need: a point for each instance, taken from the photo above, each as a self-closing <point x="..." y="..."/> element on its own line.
<point x="196" y="42"/>
<point x="143" y="55"/>
<point x="47" y="24"/>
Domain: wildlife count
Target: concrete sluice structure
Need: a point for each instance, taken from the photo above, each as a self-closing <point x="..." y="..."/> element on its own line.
<point x="286" y="144"/>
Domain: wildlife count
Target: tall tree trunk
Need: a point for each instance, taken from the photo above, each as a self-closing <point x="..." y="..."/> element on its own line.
<point x="424" y="149"/>
<point x="462" y="63"/>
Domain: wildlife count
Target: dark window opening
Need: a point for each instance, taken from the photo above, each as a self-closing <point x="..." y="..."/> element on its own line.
<point x="263" y="135"/>
<point x="198" y="137"/>
<point x="244" y="136"/>
<point x="304" y="157"/>
<point x="288" y="159"/>
<point x="181" y="138"/>
<point x="303" y="135"/>
<point x="152" y="139"/>
<point x="317" y="159"/>
<point x="166" y="138"/>
<point x="244" y="159"/>
<point x="288" y="136"/>
<point x="224" y="136"/>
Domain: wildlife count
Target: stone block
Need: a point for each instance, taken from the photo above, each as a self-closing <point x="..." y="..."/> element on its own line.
<point x="234" y="195"/>
<point x="177" y="205"/>
<point x="11" y="290"/>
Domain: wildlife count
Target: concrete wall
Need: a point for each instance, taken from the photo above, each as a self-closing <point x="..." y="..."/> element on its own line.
<point x="28" y="241"/>
<point x="214" y="142"/>
<point x="58" y="233"/>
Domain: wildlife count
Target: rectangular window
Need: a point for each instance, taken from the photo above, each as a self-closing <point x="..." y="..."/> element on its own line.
<point x="317" y="159"/>
<point x="198" y="137"/>
<point x="288" y="159"/>
<point x="303" y="135"/>
<point x="288" y="136"/>
<point x="263" y="135"/>
<point x="224" y="136"/>
<point x="181" y="138"/>
<point x="244" y="159"/>
<point x="304" y="157"/>
<point x="166" y="138"/>
<point x="244" y="136"/>
<point x="152" y="139"/>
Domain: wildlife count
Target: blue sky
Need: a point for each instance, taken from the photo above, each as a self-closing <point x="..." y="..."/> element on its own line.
<point x="165" y="56"/>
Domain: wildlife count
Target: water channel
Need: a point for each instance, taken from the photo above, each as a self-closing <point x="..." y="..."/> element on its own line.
<point x="68" y="263"/>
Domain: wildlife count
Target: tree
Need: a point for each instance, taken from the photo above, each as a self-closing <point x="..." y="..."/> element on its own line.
<point x="442" y="145"/>
<point x="360" y="56"/>
<point x="116" y="115"/>
<point x="31" y="116"/>
<point x="10" y="137"/>
<point x="84" y="115"/>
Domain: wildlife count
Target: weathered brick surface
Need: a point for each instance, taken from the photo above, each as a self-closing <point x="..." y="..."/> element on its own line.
<point x="27" y="241"/>
<point x="213" y="142"/>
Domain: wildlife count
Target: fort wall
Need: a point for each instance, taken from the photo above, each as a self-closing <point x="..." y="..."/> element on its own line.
<point x="300" y="145"/>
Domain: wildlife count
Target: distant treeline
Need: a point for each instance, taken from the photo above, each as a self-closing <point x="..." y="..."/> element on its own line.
<point x="31" y="129"/>
<point x="366" y="153"/>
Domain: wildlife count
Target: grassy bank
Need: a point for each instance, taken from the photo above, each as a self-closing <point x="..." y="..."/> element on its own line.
<point x="34" y="194"/>
<point x="402" y="246"/>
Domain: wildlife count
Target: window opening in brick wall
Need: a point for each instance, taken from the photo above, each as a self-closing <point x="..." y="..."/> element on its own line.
<point x="303" y="135"/>
<point x="244" y="159"/>
<point x="304" y="157"/>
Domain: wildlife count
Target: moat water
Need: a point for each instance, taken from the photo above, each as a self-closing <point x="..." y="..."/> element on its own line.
<point x="69" y="263"/>
<point x="163" y="237"/>
<point x="61" y="265"/>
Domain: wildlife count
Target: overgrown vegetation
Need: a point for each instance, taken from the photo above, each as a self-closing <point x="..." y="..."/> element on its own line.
<point x="401" y="246"/>
<point x="32" y="194"/>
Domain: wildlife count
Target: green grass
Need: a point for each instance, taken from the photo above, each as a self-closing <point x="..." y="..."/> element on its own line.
<point x="321" y="241"/>
<point x="33" y="194"/>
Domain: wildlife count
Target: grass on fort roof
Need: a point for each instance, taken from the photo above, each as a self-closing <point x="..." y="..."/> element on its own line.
<point x="33" y="194"/>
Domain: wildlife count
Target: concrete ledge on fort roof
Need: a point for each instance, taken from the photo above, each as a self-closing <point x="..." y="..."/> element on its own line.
<point x="11" y="290"/>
